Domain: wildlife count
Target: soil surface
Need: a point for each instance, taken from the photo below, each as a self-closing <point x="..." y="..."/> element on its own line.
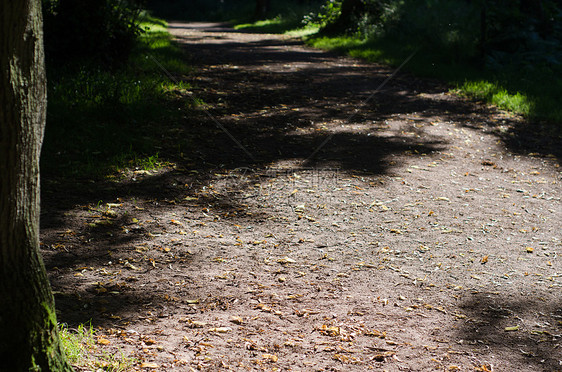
<point x="319" y="223"/>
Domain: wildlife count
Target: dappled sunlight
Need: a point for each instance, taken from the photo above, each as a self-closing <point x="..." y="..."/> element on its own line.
<point x="367" y="229"/>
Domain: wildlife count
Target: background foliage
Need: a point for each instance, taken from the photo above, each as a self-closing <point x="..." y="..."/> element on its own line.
<point x="98" y="31"/>
<point x="508" y="53"/>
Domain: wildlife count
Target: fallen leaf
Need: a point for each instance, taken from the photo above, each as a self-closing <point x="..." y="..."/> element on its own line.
<point x="220" y="329"/>
<point x="130" y="266"/>
<point x="236" y="320"/>
<point x="103" y="341"/>
<point x="270" y="357"/>
<point x="483" y="368"/>
<point x="197" y="324"/>
<point x="286" y="260"/>
<point x="148" y="365"/>
<point x="484" y="259"/>
<point x="341" y="358"/>
<point x="330" y="331"/>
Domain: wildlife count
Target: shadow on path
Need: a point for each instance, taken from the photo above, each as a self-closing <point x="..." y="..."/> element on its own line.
<point x="283" y="103"/>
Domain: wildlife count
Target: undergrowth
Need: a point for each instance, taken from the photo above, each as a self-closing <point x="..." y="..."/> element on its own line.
<point x="532" y="93"/>
<point x="101" y="120"/>
<point x="447" y="49"/>
<point x="284" y="18"/>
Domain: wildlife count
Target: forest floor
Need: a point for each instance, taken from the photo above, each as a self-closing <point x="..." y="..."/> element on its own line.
<point x="319" y="224"/>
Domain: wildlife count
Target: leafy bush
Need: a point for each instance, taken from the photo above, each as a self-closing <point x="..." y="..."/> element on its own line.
<point x="328" y="14"/>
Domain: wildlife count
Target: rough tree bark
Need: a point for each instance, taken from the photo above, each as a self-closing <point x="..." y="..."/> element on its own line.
<point x="29" y="338"/>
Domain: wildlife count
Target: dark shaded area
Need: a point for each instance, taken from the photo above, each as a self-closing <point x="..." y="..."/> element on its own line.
<point x="99" y="32"/>
<point x="198" y="10"/>
<point x="536" y="334"/>
<point x="270" y="104"/>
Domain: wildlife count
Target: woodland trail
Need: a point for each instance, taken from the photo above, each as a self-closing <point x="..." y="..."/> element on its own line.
<point x="320" y="225"/>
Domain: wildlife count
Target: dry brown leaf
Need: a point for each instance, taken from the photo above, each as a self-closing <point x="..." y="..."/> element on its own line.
<point x="197" y="324"/>
<point x="286" y="260"/>
<point x="330" y="331"/>
<point x="149" y="365"/>
<point x="270" y="357"/>
<point x="220" y="329"/>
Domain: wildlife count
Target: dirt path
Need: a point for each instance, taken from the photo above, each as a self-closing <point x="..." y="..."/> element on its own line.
<point x="422" y="235"/>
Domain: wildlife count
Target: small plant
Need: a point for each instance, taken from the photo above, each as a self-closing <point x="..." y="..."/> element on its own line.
<point x="84" y="350"/>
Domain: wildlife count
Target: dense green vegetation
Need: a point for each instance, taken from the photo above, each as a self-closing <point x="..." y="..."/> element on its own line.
<point x="505" y="53"/>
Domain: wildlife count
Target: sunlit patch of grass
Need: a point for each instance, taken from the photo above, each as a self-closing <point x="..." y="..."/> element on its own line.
<point x="83" y="351"/>
<point x="497" y="95"/>
<point x="303" y="31"/>
<point x="534" y="94"/>
<point x="275" y="25"/>
<point x="339" y="43"/>
<point x="285" y="18"/>
<point x="279" y="25"/>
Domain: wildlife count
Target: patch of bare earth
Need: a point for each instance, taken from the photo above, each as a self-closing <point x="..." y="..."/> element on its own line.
<point x="422" y="235"/>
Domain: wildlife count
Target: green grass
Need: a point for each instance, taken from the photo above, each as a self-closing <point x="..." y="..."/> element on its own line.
<point x="285" y="18"/>
<point x="529" y="92"/>
<point x="101" y="121"/>
<point x="83" y="351"/>
<point x="279" y="25"/>
<point x="497" y="95"/>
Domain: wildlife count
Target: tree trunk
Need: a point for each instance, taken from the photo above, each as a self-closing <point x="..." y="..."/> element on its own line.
<point x="29" y="338"/>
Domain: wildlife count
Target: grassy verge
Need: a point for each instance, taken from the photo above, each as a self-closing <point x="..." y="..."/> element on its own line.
<point x="533" y="93"/>
<point x="287" y="19"/>
<point x="100" y="120"/>
<point x="530" y="92"/>
<point x="84" y="350"/>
